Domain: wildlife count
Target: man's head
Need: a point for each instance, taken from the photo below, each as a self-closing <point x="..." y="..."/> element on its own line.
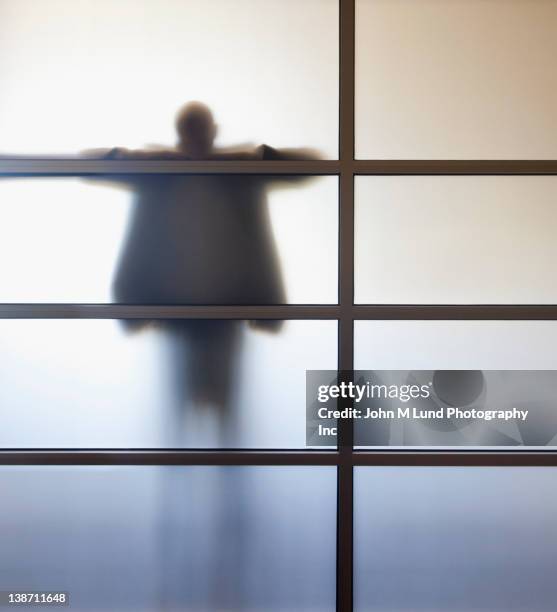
<point x="196" y="129"/>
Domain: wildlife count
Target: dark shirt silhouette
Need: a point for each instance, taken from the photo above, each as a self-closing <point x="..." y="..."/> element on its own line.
<point x="198" y="239"/>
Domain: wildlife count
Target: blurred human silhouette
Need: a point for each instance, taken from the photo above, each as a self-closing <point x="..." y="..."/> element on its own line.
<point x="201" y="239"/>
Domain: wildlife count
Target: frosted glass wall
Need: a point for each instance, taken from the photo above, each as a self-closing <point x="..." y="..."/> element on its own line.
<point x="456" y="79"/>
<point x="455" y="239"/>
<point x="100" y="73"/>
<point x="111" y="384"/>
<point x="169" y="239"/>
<point x="151" y="539"/>
<point x="455" y="539"/>
<point x="427" y="350"/>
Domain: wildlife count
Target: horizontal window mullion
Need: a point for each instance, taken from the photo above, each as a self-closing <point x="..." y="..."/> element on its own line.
<point x="122" y="311"/>
<point x="457" y="457"/>
<point x="166" y="457"/>
<point x="456" y="312"/>
<point x="79" y="167"/>
<point x="455" y="167"/>
<point x="394" y="457"/>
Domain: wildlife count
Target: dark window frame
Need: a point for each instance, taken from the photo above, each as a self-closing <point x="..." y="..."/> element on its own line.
<point x="345" y="458"/>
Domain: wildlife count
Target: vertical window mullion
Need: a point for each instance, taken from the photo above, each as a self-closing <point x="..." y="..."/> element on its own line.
<point x="345" y="469"/>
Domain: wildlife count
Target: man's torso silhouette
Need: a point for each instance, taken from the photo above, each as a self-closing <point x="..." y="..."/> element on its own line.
<point x="199" y="239"/>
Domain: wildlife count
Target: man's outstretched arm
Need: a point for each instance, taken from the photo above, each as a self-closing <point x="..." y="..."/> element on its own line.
<point x="121" y="153"/>
<point x="265" y="152"/>
<point x="295" y="154"/>
<point x="132" y="154"/>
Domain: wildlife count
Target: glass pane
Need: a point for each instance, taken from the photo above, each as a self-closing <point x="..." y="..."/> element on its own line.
<point x="174" y="239"/>
<point x="455" y="539"/>
<point x="109" y="384"/>
<point x="429" y="349"/>
<point x="76" y="75"/>
<point x="150" y="539"/>
<point x="455" y="345"/>
<point x="465" y="79"/>
<point x="458" y="239"/>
